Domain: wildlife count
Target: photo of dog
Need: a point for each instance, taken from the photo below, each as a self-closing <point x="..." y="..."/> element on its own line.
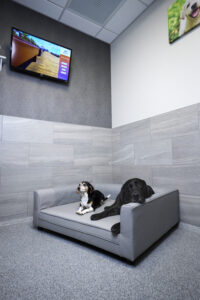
<point x="183" y="15"/>
<point x="90" y="198"/>
<point x="133" y="190"/>
<point x="190" y="16"/>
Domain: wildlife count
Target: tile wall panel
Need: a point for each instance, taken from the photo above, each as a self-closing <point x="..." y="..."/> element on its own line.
<point x="74" y="175"/>
<point x="135" y="132"/>
<point x="122" y="173"/>
<point x="30" y="204"/>
<point x="123" y="155"/>
<point x="83" y="155"/>
<point x="184" y="178"/>
<point x="37" y="154"/>
<point x="27" y="130"/>
<point x="186" y="148"/>
<point x="101" y="155"/>
<point x="102" y="174"/>
<point x="174" y="123"/>
<point x="1" y="125"/>
<point x="14" y="154"/>
<point x="72" y="134"/>
<point x="13" y="205"/>
<point x="190" y="209"/>
<point x="163" y="150"/>
<point x="101" y="137"/>
<point x="17" y="179"/>
<point x="158" y="152"/>
<point x="51" y="155"/>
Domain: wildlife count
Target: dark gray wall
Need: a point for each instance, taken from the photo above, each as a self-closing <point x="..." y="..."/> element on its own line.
<point x="87" y="98"/>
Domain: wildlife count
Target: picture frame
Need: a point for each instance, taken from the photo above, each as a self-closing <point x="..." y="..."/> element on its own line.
<point x="183" y="16"/>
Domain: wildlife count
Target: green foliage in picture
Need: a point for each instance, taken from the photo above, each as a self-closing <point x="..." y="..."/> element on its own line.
<point x="174" y="13"/>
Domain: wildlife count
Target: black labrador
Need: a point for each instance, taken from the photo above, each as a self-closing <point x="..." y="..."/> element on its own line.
<point x="133" y="190"/>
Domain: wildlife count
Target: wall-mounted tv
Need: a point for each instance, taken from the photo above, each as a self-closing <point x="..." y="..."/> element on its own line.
<point x="39" y="57"/>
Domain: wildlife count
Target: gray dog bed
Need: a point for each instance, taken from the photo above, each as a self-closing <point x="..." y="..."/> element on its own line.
<point x="141" y="225"/>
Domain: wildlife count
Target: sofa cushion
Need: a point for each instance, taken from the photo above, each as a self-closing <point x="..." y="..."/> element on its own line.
<point x="65" y="216"/>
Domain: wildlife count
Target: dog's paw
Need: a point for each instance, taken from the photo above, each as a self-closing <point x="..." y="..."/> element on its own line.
<point x="95" y="217"/>
<point x="106" y="207"/>
<point x="115" y="228"/>
<point x="78" y="212"/>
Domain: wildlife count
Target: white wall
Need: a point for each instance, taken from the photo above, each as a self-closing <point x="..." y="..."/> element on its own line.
<point x="150" y="76"/>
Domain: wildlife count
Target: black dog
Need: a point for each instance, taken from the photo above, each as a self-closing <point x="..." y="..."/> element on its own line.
<point x="90" y="198"/>
<point x="133" y="190"/>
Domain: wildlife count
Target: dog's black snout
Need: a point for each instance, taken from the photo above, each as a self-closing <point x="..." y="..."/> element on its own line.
<point x="194" y="6"/>
<point x="135" y="196"/>
<point x="78" y="188"/>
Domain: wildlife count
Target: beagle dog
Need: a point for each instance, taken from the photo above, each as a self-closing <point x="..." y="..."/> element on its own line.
<point x="90" y="198"/>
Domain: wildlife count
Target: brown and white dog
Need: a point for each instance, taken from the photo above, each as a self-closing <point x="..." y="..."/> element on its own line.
<point x="90" y="198"/>
<point x="190" y="16"/>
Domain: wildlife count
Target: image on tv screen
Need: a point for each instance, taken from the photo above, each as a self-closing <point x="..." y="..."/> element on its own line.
<point x="30" y="53"/>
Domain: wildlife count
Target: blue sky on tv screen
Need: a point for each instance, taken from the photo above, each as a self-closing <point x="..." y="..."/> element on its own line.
<point x="55" y="49"/>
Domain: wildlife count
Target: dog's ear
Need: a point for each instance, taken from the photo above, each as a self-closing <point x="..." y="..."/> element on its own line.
<point x="78" y="189"/>
<point x="182" y="16"/>
<point x="90" y="188"/>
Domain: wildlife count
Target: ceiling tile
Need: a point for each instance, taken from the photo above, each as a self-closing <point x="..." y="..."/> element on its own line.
<point x="96" y="10"/>
<point x="80" y="16"/>
<point x="129" y="11"/>
<point x="106" y="35"/>
<point x="79" y="23"/>
<point x="61" y="3"/>
<point x="148" y="2"/>
<point x="42" y="6"/>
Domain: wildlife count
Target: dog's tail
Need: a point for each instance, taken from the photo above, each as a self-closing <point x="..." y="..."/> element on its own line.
<point x="107" y="197"/>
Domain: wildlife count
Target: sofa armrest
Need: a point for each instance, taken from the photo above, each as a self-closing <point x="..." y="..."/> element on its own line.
<point x="50" y="197"/>
<point x="143" y="224"/>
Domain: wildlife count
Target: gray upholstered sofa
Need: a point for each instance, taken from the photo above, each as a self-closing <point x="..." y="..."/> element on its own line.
<point x="141" y="225"/>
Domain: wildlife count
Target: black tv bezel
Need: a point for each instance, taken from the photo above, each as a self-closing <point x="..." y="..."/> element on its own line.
<point x="35" y="74"/>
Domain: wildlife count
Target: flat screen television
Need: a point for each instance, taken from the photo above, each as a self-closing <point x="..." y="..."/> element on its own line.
<point x="39" y="57"/>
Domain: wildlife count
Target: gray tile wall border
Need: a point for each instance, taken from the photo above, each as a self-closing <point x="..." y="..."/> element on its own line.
<point x="1" y="127"/>
<point x="38" y="154"/>
<point x="190" y="209"/>
<point x="164" y="150"/>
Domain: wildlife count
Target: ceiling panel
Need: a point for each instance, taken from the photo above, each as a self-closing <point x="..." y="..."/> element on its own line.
<point x="61" y="3"/>
<point x="106" y="35"/>
<point x="79" y="23"/>
<point x="148" y="2"/>
<point x="103" y="19"/>
<point x="43" y="6"/>
<point x="96" y="10"/>
<point x="128" y="12"/>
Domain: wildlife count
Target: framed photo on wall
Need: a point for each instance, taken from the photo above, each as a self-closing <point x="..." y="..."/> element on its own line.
<point x="183" y="15"/>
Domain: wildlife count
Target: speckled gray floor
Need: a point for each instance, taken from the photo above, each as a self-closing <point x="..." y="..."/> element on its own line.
<point x="41" y="265"/>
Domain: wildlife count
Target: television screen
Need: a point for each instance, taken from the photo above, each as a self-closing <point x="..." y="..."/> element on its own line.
<point x="37" y="56"/>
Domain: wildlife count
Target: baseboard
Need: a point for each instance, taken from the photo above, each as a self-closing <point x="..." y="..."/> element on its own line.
<point x="16" y="221"/>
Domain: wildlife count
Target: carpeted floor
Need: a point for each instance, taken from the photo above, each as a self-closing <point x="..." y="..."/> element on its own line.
<point x="42" y="265"/>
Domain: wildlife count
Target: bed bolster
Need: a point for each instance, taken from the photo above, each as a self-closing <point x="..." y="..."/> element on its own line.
<point x="50" y="197"/>
<point x="143" y="224"/>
